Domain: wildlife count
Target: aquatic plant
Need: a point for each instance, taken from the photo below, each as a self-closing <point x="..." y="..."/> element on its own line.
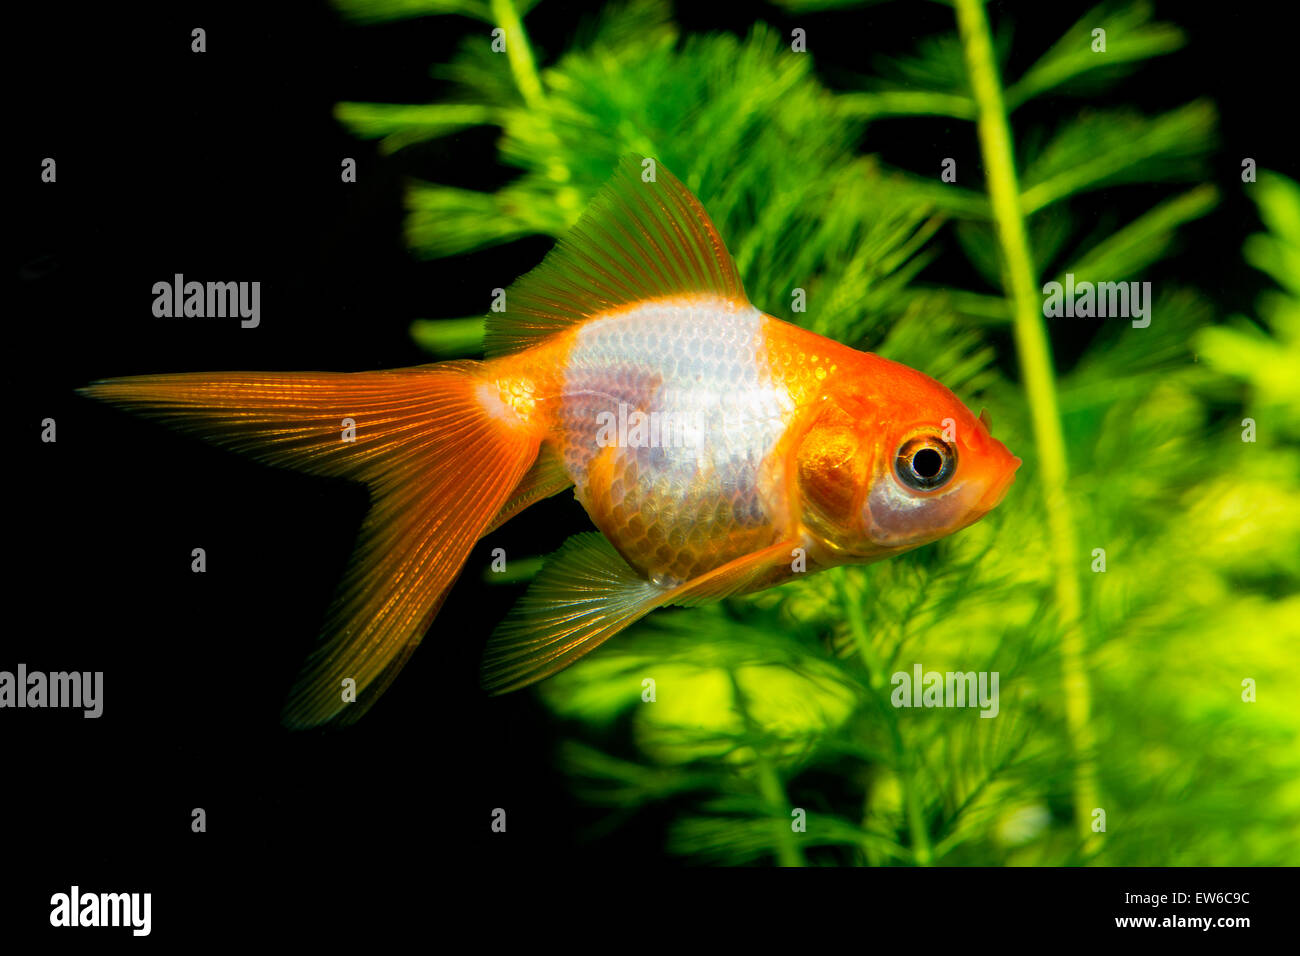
<point x="1139" y="582"/>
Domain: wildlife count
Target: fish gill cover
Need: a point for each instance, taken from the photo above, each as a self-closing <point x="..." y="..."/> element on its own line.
<point x="1137" y="597"/>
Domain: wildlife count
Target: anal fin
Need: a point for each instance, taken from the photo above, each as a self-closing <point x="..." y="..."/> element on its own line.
<point x="546" y="477"/>
<point x="585" y="594"/>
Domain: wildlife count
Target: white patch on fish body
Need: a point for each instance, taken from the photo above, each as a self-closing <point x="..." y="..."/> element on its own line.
<point x="693" y="359"/>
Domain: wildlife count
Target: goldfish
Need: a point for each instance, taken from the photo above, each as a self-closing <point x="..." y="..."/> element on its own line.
<point x="717" y="450"/>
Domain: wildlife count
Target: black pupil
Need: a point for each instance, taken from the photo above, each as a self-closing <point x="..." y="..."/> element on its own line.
<point x="927" y="463"/>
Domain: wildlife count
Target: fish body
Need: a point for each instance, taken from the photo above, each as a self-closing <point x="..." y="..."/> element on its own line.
<point x="695" y="432"/>
<point x="668" y="421"/>
<point x="718" y="450"/>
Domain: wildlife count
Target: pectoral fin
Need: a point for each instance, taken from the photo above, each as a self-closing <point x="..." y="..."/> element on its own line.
<point x="746" y="573"/>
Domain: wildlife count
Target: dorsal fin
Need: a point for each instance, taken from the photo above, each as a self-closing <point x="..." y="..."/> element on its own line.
<point x="637" y="241"/>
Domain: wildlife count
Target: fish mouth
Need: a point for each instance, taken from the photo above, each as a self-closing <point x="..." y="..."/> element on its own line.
<point x="996" y="491"/>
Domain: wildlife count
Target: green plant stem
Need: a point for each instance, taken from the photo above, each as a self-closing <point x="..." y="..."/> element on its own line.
<point x="769" y="783"/>
<point x="905" y="103"/>
<point x="519" y="53"/>
<point x="449" y="338"/>
<point x="905" y="764"/>
<point x="523" y="67"/>
<point x="1036" y="367"/>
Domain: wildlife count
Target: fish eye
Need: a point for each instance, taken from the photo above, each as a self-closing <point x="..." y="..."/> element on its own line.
<point x="925" y="463"/>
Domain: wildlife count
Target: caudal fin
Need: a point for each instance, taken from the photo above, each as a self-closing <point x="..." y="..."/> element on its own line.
<point x="440" y="468"/>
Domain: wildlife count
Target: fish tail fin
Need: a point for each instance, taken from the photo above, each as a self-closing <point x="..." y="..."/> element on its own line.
<point x="440" y="454"/>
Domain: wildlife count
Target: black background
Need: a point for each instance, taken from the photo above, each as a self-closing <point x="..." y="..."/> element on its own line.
<point x="225" y="166"/>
